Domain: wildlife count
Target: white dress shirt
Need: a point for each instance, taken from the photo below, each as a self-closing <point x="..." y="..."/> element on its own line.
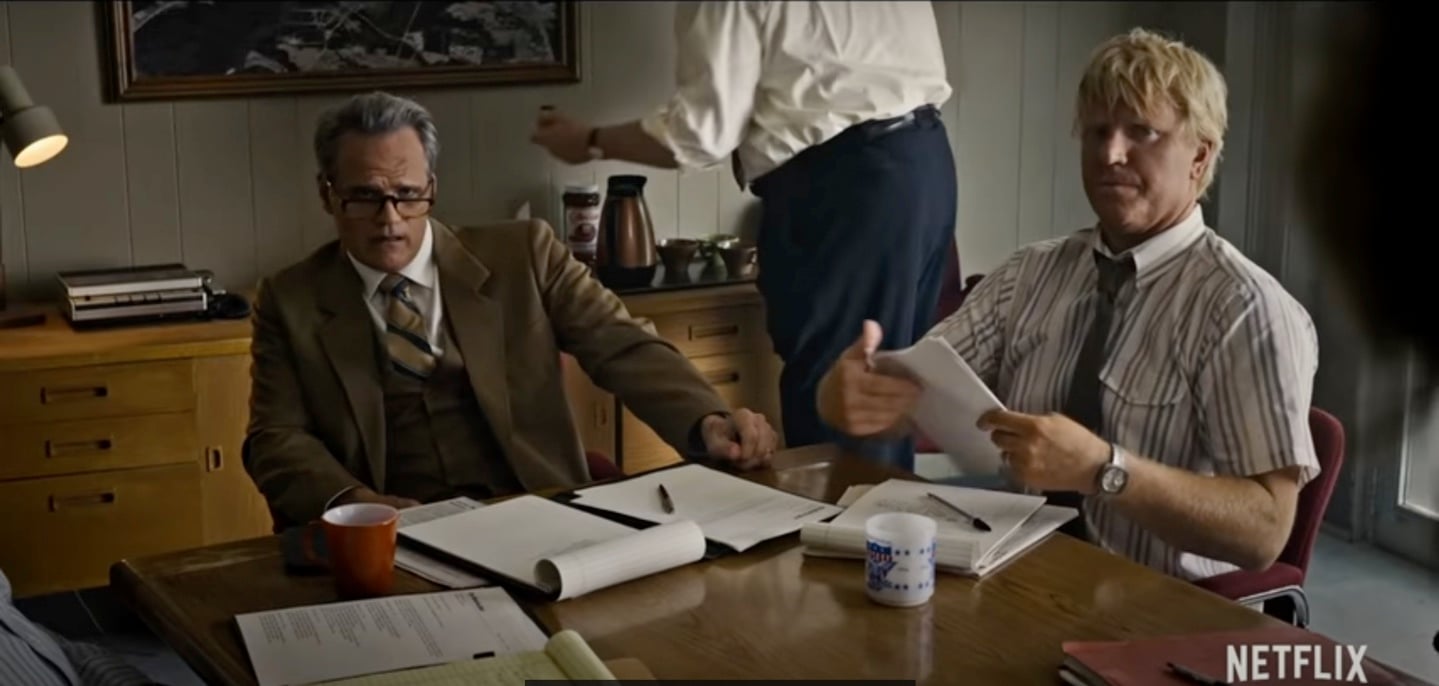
<point x="1211" y="365"/>
<point x="424" y="289"/>
<point x="771" y="79"/>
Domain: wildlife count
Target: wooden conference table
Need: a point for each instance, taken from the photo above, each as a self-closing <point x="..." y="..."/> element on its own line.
<point x="769" y="613"/>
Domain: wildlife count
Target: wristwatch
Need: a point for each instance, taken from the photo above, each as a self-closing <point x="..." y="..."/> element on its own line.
<point x="1112" y="476"/>
<point x="593" y="144"/>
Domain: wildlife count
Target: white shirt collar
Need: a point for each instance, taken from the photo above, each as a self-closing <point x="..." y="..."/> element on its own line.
<point x="1159" y="248"/>
<point x="420" y="270"/>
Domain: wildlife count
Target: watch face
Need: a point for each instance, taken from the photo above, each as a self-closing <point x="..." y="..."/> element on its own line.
<point x="1113" y="479"/>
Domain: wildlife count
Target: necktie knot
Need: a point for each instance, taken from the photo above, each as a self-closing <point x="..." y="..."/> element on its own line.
<point x="394" y="284"/>
<point x="1113" y="274"/>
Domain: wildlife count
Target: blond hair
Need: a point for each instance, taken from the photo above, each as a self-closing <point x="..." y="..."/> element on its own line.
<point x="1143" y="71"/>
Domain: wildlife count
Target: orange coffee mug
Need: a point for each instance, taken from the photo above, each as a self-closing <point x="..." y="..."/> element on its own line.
<point x="359" y="547"/>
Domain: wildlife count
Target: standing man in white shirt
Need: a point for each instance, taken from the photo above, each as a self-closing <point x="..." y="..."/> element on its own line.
<point x="828" y="112"/>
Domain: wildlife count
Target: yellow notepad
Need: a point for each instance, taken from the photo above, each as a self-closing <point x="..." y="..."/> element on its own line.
<point x="566" y="657"/>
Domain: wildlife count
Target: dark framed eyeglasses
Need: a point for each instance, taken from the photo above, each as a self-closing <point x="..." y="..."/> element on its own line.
<point x="369" y="205"/>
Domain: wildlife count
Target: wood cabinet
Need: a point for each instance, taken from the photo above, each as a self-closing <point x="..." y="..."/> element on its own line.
<point x="721" y="330"/>
<point x="120" y="443"/>
<point x="125" y="442"/>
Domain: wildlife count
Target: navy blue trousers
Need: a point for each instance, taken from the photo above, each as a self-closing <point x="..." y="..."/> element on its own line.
<point x="853" y="229"/>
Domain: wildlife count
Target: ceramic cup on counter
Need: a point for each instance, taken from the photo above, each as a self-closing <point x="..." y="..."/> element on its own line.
<point x="677" y="254"/>
<point x="741" y="260"/>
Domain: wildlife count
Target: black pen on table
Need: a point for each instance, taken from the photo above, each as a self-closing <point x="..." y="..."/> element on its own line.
<point x="1194" y="677"/>
<point x="976" y="521"/>
<point x="665" y="502"/>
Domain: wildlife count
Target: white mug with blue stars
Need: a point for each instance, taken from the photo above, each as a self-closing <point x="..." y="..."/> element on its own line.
<point x="899" y="559"/>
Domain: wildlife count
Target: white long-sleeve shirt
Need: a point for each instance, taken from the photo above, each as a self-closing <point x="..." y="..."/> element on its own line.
<point x="770" y="79"/>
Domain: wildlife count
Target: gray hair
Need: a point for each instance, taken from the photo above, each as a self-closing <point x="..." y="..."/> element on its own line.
<point x="371" y="114"/>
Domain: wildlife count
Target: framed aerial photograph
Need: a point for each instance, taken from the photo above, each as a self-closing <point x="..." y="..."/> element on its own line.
<point x="167" y="49"/>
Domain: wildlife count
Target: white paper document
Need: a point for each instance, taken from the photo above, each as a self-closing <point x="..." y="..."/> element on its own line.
<point x="1016" y="522"/>
<point x="426" y="567"/>
<point x="953" y="400"/>
<point x="305" y="645"/>
<point x="730" y="510"/>
<point x="559" y="549"/>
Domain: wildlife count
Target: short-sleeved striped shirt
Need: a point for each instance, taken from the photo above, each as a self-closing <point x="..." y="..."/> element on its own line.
<point x="1211" y="364"/>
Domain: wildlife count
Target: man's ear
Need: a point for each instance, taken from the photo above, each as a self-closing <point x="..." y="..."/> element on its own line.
<point x="1203" y="157"/>
<point x="323" y="189"/>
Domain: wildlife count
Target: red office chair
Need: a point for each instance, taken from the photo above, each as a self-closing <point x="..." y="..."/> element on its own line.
<point x="1281" y="587"/>
<point x="601" y="467"/>
<point x="951" y="295"/>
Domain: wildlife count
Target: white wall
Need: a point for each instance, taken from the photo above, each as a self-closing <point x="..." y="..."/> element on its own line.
<point x="226" y="184"/>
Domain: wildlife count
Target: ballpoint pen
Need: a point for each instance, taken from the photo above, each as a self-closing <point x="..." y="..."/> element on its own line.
<point x="1194" y="677"/>
<point x="976" y="521"/>
<point x="665" y="502"/>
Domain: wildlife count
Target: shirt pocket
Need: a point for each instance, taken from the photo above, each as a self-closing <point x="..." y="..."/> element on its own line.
<point x="1150" y="380"/>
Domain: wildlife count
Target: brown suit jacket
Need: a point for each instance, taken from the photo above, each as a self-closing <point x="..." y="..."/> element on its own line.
<point x="515" y="299"/>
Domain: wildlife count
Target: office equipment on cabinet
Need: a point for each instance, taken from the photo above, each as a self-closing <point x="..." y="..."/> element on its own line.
<point x="100" y="297"/>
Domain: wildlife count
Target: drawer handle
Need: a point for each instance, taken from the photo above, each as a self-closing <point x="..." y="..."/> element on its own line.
<point x="722" y="377"/>
<point x="82" y="500"/>
<point x="60" y="449"/>
<point x="214" y="459"/>
<point x="713" y="331"/>
<point x="59" y="395"/>
<point x="602" y="415"/>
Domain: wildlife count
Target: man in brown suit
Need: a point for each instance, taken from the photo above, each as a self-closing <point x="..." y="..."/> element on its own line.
<point x="408" y="361"/>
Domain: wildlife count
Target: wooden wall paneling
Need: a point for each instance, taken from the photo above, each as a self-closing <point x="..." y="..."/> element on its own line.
<point x="152" y="183"/>
<point x="212" y="144"/>
<point x="1038" y="129"/>
<point x="635" y="76"/>
<point x="75" y="206"/>
<point x="456" y="202"/>
<point x="991" y="38"/>
<point x="276" y="150"/>
<point x="317" y="227"/>
<point x="12" y="219"/>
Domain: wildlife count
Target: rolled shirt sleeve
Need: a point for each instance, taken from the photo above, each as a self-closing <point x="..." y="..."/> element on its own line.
<point x="1256" y="388"/>
<point x="717" y="71"/>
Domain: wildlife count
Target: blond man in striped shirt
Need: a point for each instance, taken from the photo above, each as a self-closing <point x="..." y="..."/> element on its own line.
<point x="1155" y="376"/>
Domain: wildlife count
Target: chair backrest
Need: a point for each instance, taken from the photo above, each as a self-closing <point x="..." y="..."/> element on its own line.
<point x="952" y="291"/>
<point x="1328" y="435"/>
<point x="601" y="466"/>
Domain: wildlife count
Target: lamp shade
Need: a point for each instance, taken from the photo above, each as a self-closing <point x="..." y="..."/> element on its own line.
<point x="31" y="132"/>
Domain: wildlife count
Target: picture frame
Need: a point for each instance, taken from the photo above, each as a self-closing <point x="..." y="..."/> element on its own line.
<point x="161" y="49"/>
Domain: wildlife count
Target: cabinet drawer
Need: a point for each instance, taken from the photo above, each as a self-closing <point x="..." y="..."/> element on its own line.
<point x="100" y="391"/>
<point x="63" y="533"/>
<point x="736" y="378"/>
<point x="712" y="331"/>
<point x="92" y="445"/>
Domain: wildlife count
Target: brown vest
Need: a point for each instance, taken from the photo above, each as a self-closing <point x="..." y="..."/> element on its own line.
<point x="438" y="443"/>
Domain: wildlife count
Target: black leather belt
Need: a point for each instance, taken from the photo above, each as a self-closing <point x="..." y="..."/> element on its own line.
<point x="882" y="127"/>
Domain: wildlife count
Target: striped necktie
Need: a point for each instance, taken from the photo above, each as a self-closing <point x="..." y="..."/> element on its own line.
<point x="405" y="331"/>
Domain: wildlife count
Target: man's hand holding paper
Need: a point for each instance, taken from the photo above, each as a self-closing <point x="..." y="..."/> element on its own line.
<point x="859" y="400"/>
<point x="927" y="385"/>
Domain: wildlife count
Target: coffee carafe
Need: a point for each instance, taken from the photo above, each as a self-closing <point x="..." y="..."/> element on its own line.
<point x="626" y="256"/>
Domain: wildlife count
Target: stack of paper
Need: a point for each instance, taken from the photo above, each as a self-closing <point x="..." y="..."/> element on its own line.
<point x="426" y="567"/>
<point x="554" y="548"/>
<point x="565" y="658"/>
<point x="1016" y="523"/>
<point x="729" y="510"/>
<point x="305" y="645"/>
<point x="952" y="401"/>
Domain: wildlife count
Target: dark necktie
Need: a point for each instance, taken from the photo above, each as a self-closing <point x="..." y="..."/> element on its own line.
<point x="1084" y="401"/>
<point x="406" y="336"/>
